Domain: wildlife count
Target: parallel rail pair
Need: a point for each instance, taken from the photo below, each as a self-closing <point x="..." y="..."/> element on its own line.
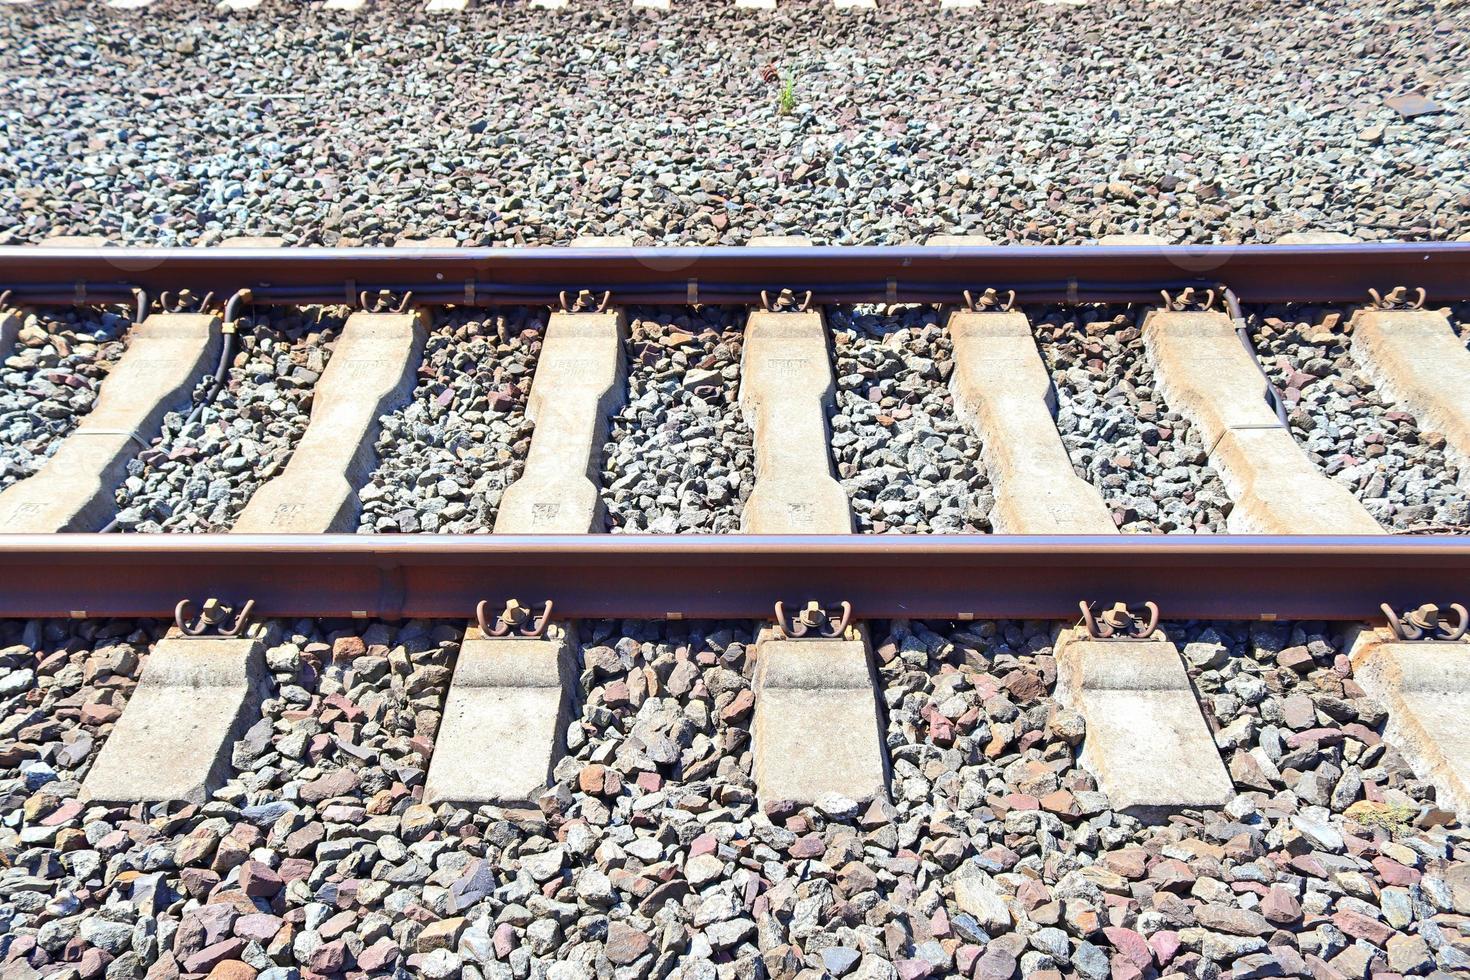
<point x="950" y="577"/>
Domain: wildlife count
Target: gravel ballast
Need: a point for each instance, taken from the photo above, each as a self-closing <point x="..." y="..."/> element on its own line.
<point x="446" y="458"/>
<point x="1146" y="461"/>
<point x="907" y="462"/>
<point x="200" y="474"/>
<point x="997" y="856"/>
<point x="176" y="124"/>
<point x="49" y="381"/>
<point x="678" y="456"/>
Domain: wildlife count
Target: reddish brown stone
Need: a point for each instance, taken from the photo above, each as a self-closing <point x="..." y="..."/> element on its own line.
<point x="1165" y="944"/>
<point x="1131" y="945"/>
<point x="808" y="846"/>
<point x="99" y="714"/>
<point x="738" y="708"/>
<point x="210" y="956"/>
<point x="1062" y="803"/>
<point x="592" y="778"/>
<point x="1315" y="737"/>
<point x="1359" y="926"/>
<point x="1130" y="862"/>
<point x="340" y="782"/>
<point x="232" y="970"/>
<point x="258" y="880"/>
<point x="329" y="958"/>
<point x="346" y="648"/>
<point x="1281" y="907"/>
<point x="379" y="957"/>
<point x="626" y="944"/>
<point x="1394" y="873"/>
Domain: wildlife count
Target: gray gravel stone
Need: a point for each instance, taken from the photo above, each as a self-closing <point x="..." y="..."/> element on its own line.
<point x="204" y="469"/>
<point x="678" y="456"/>
<point x="504" y="123"/>
<point x="447" y="456"/>
<point x="49" y="381"/>
<point x="907" y="462"/>
<point x="1146" y="461"/>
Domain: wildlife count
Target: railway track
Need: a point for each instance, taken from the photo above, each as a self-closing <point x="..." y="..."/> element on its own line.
<point x="812" y="675"/>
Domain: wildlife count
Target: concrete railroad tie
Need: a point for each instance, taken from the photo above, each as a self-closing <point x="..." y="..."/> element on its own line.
<point x="1147" y="742"/>
<point x="1426" y="686"/>
<point x="196" y="696"/>
<point x="371" y="372"/>
<point x="786" y="390"/>
<point x="1002" y="390"/>
<point x="1417" y="358"/>
<point x="579" y="383"/>
<point x="816" y="728"/>
<point x="505" y="719"/>
<point x="73" y="491"/>
<point x="1205" y="373"/>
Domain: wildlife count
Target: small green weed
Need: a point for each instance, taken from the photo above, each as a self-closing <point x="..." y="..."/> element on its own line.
<point x="786" y="104"/>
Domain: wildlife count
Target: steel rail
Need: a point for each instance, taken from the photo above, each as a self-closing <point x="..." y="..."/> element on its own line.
<point x="664" y="276"/>
<point x="731" y="576"/>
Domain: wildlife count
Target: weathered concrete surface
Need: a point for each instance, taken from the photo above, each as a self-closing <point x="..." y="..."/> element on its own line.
<point x="505" y="719"/>
<point x="1205" y="374"/>
<point x="166" y="356"/>
<point x="816" y="727"/>
<point x="1417" y="359"/>
<point x="196" y="697"/>
<point x="1426" y="687"/>
<point x="786" y="391"/>
<point x="579" y="383"/>
<point x="371" y="372"/>
<point x="1002" y="390"/>
<point x="1147" y="742"/>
